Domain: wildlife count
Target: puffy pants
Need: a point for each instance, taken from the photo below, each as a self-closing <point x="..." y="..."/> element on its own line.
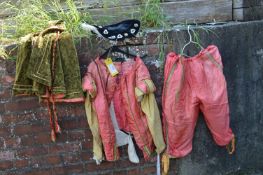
<point x="194" y="84"/>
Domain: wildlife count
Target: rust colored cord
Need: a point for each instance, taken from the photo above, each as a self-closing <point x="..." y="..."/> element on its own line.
<point x="53" y="119"/>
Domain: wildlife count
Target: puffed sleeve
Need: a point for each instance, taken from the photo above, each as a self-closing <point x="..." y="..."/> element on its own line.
<point x="89" y="86"/>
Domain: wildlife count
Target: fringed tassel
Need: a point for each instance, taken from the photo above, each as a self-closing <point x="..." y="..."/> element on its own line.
<point x="165" y="163"/>
<point x="231" y="147"/>
<point x="52" y="134"/>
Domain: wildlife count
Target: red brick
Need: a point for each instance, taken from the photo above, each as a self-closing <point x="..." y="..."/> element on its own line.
<point x="30" y="129"/>
<point x="76" y="135"/>
<point x="70" y="123"/>
<point x="103" y="166"/>
<point x="54" y="159"/>
<point x="84" y="122"/>
<point x="41" y="114"/>
<point x="59" y="171"/>
<point x="148" y="170"/>
<point x="2" y="143"/>
<point x="76" y="109"/>
<point x="87" y="145"/>
<point x="153" y="50"/>
<point x="31" y="117"/>
<point x="74" y="123"/>
<point x="42" y="138"/>
<point x="5" y="132"/>
<point x="9" y="118"/>
<point x="5" y="165"/>
<point x="65" y="110"/>
<point x="10" y="173"/>
<point x="63" y="137"/>
<point x="38" y="172"/>
<point x="86" y="155"/>
<point x="38" y="162"/>
<point x="79" y="110"/>
<point x="107" y="173"/>
<point x="21" y="163"/>
<point x="72" y="169"/>
<point x="27" y="141"/>
<point x="44" y="161"/>
<point x="88" y="134"/>
<point x="2" y="108"/>
<point x="56" y="148"/>
<point x="72" y="147"/>
<point x="22" y="105"/>
<point x="133" y="171"/>
<point x="70" y="159"/>
<point x="13" y="142"/>
<point x="127" y="163"/>
<point x="32" y="152"/>
<point x="123" y="172"/>
<point x="152" y="38"/>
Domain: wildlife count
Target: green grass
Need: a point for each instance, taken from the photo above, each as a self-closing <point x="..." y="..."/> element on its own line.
<point x="30" y="16"/>
<point x="151" y="14"/>
<point x="71" y="16"/>
<point x="33" y="16"/>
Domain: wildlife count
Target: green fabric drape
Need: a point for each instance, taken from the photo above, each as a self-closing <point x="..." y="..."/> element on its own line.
<point x="33" y="67"/>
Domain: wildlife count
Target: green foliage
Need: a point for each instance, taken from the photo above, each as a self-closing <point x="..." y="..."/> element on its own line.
<point x="151" y="14"/>
<point x="33" y="15"/>
<point x="70" y="15"/>
<point x="30" y="16"/>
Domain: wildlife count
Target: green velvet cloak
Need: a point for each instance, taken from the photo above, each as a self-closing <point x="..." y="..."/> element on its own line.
<point x="33" y="67"/>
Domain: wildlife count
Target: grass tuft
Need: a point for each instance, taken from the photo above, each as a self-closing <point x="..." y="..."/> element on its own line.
<point x="31" y="16"/>
<point x="152" y="14"/>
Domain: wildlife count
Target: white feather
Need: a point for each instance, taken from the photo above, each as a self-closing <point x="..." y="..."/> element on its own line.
<point x="90" y="28"/>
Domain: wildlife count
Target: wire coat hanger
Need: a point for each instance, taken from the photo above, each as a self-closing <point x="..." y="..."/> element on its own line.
<point x="116" y="49"/>
<point x="190" y="41"/>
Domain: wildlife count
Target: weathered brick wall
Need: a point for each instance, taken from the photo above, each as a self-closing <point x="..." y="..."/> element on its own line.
<point x="25" y="147"/>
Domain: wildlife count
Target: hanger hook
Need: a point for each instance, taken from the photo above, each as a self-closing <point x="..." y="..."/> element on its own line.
<point x="189" y="33"/>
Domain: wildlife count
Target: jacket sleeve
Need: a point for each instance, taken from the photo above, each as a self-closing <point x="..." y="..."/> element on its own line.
<point x="144" y="84"/>
<point x="89" y="86"/>
<point x="150" y="109"/>
<point x="144" y="92"/>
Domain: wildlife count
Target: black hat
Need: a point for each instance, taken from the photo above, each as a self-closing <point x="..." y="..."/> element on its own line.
<point x="119" y="31"/>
